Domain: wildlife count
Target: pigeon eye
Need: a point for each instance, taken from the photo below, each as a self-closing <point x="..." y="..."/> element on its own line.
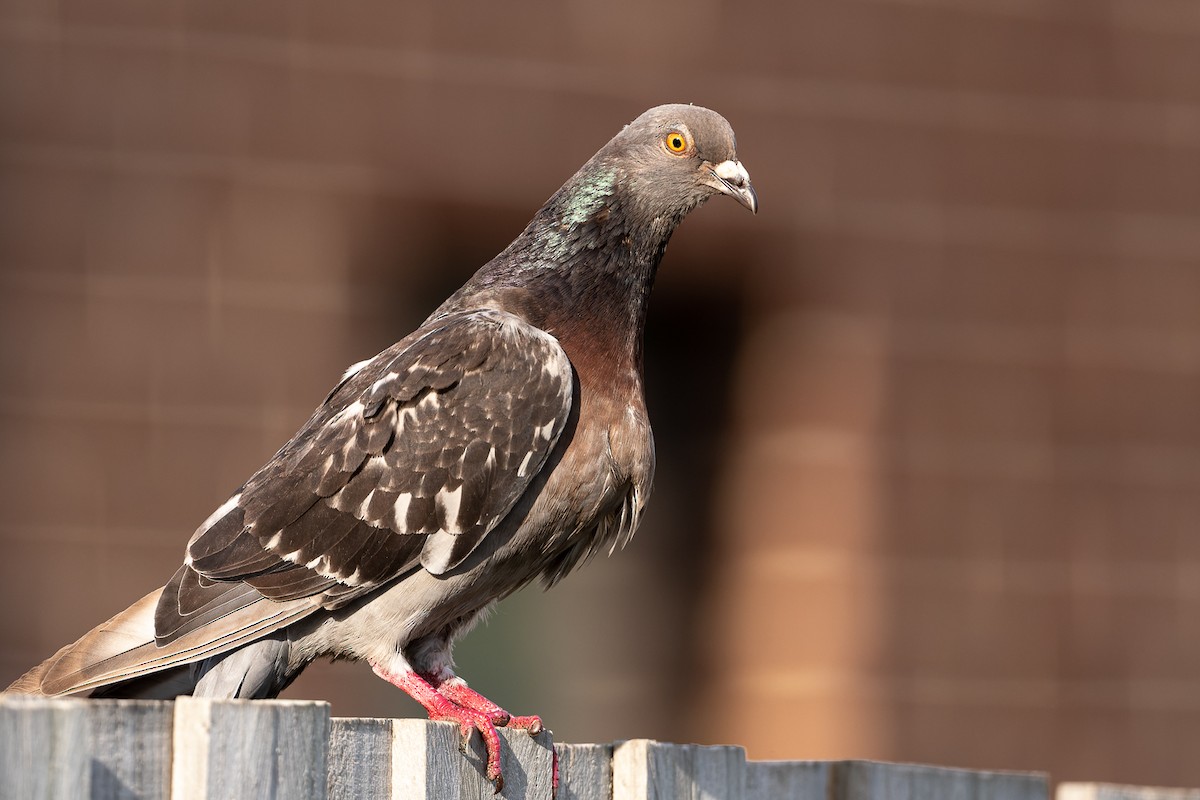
<point x="676" y="142"/>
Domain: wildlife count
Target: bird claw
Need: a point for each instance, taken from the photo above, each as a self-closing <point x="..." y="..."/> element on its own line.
<point x="531" y="723"/>
<point x="464" y="737"/>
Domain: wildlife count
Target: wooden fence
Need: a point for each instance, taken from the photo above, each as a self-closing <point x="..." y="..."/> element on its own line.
<point x="288" y="750"/>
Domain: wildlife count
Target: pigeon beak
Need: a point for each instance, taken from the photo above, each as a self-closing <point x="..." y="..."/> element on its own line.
<point x="731" y="178"/>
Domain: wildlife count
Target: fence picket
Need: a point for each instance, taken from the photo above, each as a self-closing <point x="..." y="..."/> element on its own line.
<point x="197" y="749"/>
<point x="248" y="748"/>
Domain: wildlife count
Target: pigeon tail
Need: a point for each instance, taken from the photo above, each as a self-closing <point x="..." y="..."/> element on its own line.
<point x="123" y="649"/>
<point x="128" y="630"/>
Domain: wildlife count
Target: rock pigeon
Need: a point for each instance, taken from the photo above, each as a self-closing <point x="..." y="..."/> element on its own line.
<point x="505" y="440"/>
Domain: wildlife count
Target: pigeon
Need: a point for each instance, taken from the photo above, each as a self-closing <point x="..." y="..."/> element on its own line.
<point x="504" y="441"/>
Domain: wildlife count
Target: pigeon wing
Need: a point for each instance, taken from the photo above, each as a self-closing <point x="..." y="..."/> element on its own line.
<point x="412" y="460"/>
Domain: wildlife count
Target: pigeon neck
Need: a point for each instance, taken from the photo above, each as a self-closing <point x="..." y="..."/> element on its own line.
<point x="581" y="270"/>
<point x="594" y="250"/>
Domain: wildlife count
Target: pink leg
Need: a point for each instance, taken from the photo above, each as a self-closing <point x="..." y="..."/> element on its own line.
<point x="440" y="707"/>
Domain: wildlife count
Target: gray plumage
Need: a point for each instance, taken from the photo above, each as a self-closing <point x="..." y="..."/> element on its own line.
<point x="503" y="441"/>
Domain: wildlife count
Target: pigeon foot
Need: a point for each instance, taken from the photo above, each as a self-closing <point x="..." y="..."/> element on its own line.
<point x="456" y="691"/>
<point x="441" y="707"/>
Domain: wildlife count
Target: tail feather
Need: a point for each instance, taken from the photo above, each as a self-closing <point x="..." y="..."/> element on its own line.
<point x="31" y="682"/>
<point x="123" y="648"/>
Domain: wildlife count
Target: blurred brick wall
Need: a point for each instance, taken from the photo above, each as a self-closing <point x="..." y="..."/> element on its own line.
<point x="963" y="506"/>
<point x="928" y="432"/>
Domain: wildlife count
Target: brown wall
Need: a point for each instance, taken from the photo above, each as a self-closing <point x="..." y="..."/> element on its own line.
<point x="928" y="426"/>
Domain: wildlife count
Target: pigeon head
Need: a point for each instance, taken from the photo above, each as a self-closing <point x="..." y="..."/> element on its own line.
<point x="603" y="233"/>
<point x="674" y="157"/>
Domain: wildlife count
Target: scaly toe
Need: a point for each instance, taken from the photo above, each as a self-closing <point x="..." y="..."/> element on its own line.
<point x="533" y="724"/>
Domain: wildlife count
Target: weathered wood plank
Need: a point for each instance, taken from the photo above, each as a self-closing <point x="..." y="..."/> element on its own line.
<point x="249" y="748"/>
<point x="201" y="749"/>
<point x="793" y="780"/>
<point x="428" y="764"/>
<point x="644" y="769"/>
<point x="360" y="758"/>
<point x="129" y="742"/>
<point x="43" y="748"/>
<point x="875" y="780"/>
<point x="1112" y="791"/>
<point x="585" y="771"/>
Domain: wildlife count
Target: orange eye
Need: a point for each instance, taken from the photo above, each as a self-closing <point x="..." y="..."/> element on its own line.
<point x="676" y="142"/>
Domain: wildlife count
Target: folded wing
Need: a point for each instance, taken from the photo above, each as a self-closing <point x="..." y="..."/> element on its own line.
<point x="413" y="458"/>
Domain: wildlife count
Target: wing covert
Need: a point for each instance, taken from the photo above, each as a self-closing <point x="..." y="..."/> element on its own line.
<point x="412" y="460"/>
